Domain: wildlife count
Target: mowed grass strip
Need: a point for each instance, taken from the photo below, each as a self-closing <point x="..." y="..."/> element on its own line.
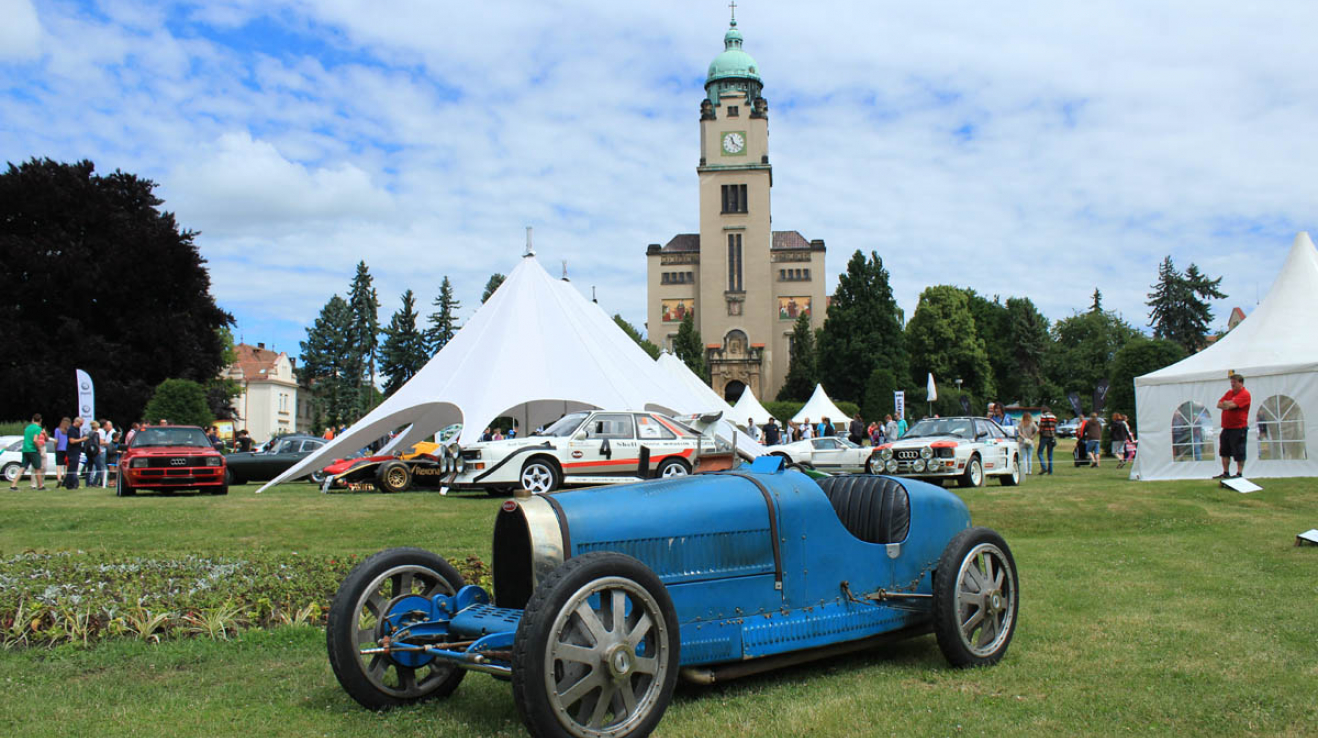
<point x="1173" y="608"/>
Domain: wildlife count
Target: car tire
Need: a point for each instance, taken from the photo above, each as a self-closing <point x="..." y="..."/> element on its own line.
<point x="122" y="488"/>
<point x="393" y="476"/>
<point x="1013" y="477"/>
<point x="671" y="468"/>
<point x="11" y="472"/>
<point x="974" y="474"/>
<point x="976" y="598"/>
<point x="499" y="491"/>
<point x="539" y="476"/>
<point x="380" y="682"/>
<point x="231" y="479"/>
<point x="636" y="650"/>
<point x="317" y="477"/>
<point x="223" y="489"/>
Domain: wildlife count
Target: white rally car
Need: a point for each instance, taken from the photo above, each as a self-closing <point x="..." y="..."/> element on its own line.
<point x="967" y="449"/>
<point x="831" y="454"/>
<point x="599" y="447"/>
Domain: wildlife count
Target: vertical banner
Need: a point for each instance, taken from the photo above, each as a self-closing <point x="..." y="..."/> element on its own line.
<point x="932" y="388"/>
<point x="86" y="397"/>
<point x="1100" y="396"/>
<point x="1074" y="397"/>
<point x="965" y="404"/>
<point x="899" y="404"/>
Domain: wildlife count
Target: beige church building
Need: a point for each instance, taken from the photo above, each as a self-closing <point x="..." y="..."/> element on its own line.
<point x="745" y="283"/>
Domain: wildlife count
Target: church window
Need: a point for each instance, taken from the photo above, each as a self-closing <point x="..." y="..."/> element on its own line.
<point x="1281" y="430"/>
<point x="734" y="262"/>
<point x="734" y="198"/>
<point x="732" y="111"/>
<point x="1192" y="433"/>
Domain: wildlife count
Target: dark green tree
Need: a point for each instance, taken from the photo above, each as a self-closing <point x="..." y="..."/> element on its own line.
<point x="688" y="347"/>
<point x="95" y="276"/>
<point x="1178" y="306"/>
<point x="365" y="305"/>
<point x="1137" y="358"/>
<point x="181" y="402"/>
<point x="403" y="351"/>
<point x="942" y="339"/>
<point x="991" y="323"/>
<point x="878" y="395"/>
<point x="220" y="392"/>
<point x="1082" y="351"/>
<point x="1096" y="302"/>
<point x="1027" y="343"/>
<point x="443" y="322"/>
<point x="328" y="363"/>
<point x="646" y="345"/>
<point x="863" y="330"/>
<point x="803" y="367"/>
<point x="496" y="279"/>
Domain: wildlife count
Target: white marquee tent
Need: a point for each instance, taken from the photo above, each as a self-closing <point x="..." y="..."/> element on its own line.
<point x="749" y="407"/>
<point x="819" y="407"/>
<point x="537" y="349"/>
<point x="1276" y="350"/>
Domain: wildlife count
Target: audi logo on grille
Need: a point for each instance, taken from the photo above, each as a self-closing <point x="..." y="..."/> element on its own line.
<point x="908" y="454"/>
<point x="177" y="462"/>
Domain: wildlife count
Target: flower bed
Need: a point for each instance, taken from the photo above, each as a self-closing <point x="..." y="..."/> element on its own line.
<point x="49" y="599"/>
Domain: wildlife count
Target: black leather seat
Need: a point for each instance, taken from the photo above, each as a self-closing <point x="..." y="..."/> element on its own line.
<point x="874" y="509"/>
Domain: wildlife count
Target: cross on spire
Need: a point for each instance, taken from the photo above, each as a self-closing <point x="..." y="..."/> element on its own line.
<point x="733" y="5"/>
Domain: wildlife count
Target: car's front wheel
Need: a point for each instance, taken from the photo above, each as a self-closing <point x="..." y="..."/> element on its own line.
<point x="597" y="650"/>
<point x="11" y="472"/>
<point x="976" y="598"/>
<point x="974" y="474"/>
<point x="372" y="590"/>
<point x="393" y="476"/>
<point x="539" y="476"/>
<point x="122" y="488"/>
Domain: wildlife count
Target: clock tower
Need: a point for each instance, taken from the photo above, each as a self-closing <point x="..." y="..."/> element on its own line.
<point x="746" y="283"/>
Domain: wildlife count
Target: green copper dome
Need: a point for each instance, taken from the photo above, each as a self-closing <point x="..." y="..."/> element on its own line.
<point x="733" y="62"/>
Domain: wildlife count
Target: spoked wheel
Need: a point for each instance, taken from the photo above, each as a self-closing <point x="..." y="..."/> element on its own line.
<point x="1014" y="478"/>
<point x="393" y="476"/>
<point x="672" y="468"/>
<point x="356" y="621"/>
<point x="596" y="652"/>
<point x="974" y="475"/>
<point x="317" y="477"/>
<point x="539" y="476"/>
<point x="976" y="598"/>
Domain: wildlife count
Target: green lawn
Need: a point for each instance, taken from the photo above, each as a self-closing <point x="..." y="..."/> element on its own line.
<point x="1166" y="608"/>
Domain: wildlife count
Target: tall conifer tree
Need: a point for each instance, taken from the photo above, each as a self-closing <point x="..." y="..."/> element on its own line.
<point x="803" y="371"/>
<point x="329" y="363"/>
<point x="365" y="305"/>
<point x="1179" y="309"/>
<point x="404" y="349"/>
<point x="863" y="330"/>
<point x="688" y="347"/>
<point x="443" y="322"/>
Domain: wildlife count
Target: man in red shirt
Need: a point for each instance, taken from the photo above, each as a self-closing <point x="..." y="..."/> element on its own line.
<point x="1235" y="425"/>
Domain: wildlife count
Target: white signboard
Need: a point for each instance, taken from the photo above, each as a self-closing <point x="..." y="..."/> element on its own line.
<point x="86" y="396"/>
<point x="899" y="404"/>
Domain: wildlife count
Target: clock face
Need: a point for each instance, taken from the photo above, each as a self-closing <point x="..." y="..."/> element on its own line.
<point x="734" y="142"/>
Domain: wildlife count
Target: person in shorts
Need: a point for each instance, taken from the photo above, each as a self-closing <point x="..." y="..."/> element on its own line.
<point x="1235" y="426"/>
<point x="34" y="454"/>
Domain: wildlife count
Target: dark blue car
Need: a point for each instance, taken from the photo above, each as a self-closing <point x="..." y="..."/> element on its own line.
<point x="604" y="597"/>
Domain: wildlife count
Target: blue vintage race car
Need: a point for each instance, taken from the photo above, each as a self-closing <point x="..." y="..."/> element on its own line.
<point x="603" y="597"/>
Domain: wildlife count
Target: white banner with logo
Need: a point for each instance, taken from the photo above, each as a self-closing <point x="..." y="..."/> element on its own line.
<point x="86" y="397"/>
<point x="899" y="404"/>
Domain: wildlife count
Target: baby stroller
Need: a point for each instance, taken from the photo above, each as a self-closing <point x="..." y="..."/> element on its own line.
<point x="1080" y="454"/>
<point x="1130" y="447"/>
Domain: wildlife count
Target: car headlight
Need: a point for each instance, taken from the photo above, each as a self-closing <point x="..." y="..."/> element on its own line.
<point x="213" y="461"/>
<point x="918" y="465"/>
<point x="886" y="453"/>
<point x="933" y="465"/>
<point x="926" y="452"/>
<point x="138" y="463"/>
<point x="891" y="466"/>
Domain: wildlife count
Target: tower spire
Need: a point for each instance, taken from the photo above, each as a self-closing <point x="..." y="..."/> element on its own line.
<point x="733" y="6"/>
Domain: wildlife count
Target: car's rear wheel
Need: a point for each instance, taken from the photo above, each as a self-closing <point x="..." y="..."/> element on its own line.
<point x="11" y="472"/>
<point x="317" y="477"/>
<point x="380" y="681"/>
<point x="122" y="488"/>
<point x="393" y="476"/>
<point x="974" y="474"/>
<point x="539" y="475"/>
<point x="976" y="598"/>
<point x="1012" y="478"/>
<point x="597" y="650"/>
<point x="672" y="468"/>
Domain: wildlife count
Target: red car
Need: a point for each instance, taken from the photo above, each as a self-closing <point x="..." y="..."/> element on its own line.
<point x="167" y="458"/>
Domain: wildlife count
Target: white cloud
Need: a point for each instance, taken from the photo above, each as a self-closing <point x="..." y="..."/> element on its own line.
<point x="301" y="137"/>
<point x="20" y="33"/>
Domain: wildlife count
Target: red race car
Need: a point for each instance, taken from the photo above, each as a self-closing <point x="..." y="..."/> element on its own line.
<point x="166" y="458"/>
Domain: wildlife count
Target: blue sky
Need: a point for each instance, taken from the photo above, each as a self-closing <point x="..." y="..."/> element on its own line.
<point x="1036" y="149"/>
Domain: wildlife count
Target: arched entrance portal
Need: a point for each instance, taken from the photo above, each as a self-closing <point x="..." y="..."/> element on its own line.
<point x="732" y="391"/>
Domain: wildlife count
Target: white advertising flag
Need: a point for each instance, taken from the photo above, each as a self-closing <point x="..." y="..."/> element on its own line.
<point x="86" y="396"/>
<point x="899" y="404"/>
<point x="933" y="389"/>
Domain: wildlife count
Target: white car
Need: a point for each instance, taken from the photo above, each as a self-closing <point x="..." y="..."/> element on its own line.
<point x="11" y="459"/>
<point x="967" y="449"/>
<point x="831" y="454"/>
<point x="599" y="447"/>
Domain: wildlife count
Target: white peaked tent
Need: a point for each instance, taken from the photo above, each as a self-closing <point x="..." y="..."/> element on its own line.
<point x="1276" y="350"/>
<point x="749" y="407"/>
<point x="706" y="399"/>
<point x="819" y="407"/>
<point x="535" y="350"/>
